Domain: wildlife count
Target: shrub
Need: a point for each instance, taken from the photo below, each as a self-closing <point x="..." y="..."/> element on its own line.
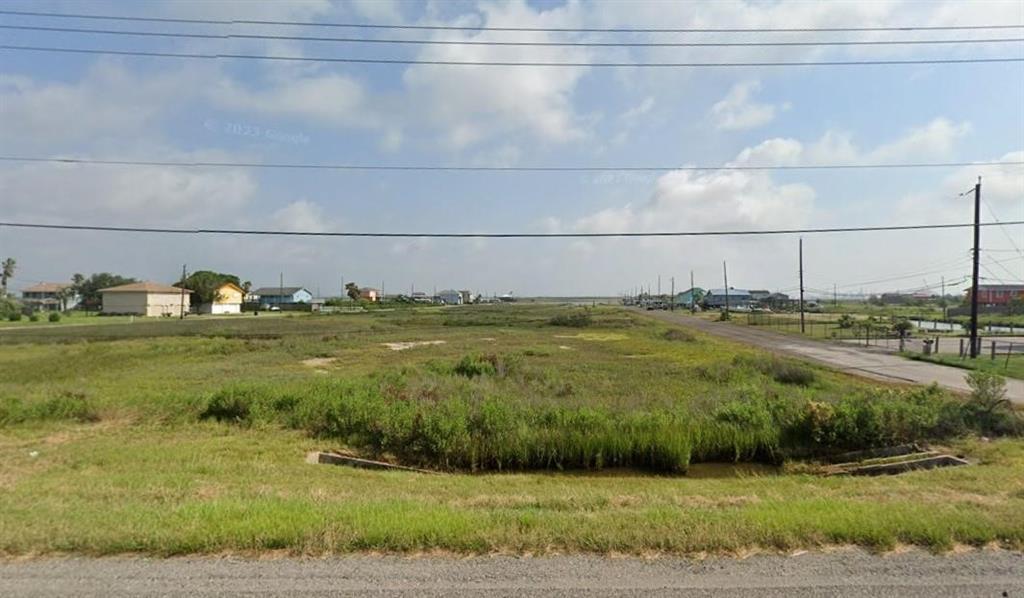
<point x="471" y="366"/>
<point x="232" y="405"/>
<point x="783" y="371"/>
<point x="988" y="409"/>
<point x="573" y="320"/>
<point x="54" y="317"/>
<point x="676" y="334"/>
<point x="14" y="316"/>
<point x="33" y="317"/>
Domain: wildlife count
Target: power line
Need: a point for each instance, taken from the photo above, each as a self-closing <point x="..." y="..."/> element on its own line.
<point x="533" y="29"/>
<point x="364" y="40"/>
<point x="1008" y="235"/>
<point x="404" y="61"/>
<point x="223" y="231"/>
<point x="421" y="167"/>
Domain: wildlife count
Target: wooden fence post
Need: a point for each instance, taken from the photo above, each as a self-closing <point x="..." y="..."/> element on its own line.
<point x="993" y="347"/>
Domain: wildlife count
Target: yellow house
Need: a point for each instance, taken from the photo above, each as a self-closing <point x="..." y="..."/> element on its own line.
<point x="228" y="300"/>
<point x="145" y="299"/>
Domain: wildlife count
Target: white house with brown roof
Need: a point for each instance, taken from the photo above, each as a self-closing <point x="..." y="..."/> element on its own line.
<point x="227" y="301"/>
<point x="49" y="296"/>
<point x="145" y="299"/>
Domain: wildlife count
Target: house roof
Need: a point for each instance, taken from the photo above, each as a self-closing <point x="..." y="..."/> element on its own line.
<point x="143" y="287"/>
<point x="732" y="291"/>
<point x="277" y="291"/>
<point x="1000" y="287"/>
<point x="232" y="285"/>
<point x="46" y="287"/>
<point x="369" y="290"/>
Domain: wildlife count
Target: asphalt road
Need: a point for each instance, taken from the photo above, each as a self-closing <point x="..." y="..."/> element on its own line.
<point x="869" y="362"/>
<point x="843" y="573"/>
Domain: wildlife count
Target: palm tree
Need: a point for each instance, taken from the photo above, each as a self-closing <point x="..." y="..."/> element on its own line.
<point x="6" y="273"/>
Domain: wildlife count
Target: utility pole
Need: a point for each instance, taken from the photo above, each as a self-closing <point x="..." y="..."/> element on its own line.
<point x="280" y="290"/>
<point x="974" y="273"/>
<point x="835" y="295"/>
<point x="182" y="306"/>
<point x="801" y="285"/>
<point x="659" y="285"/>
<point x="725" y="276"/>
<point x="693" y="298"/>
<point x="673" y="299"/>
<point x="945" y="304"/>
<point x="342" y="288"/>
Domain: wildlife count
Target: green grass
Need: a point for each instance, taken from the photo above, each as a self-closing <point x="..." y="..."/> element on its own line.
<point x="1012" y="368"/>
<point x="170" y="437"/>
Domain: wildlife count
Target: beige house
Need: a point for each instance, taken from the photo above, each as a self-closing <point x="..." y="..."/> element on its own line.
<point x="228" y="300"/>
<point x="145" y="299"/>
<point x="369" y="294"/>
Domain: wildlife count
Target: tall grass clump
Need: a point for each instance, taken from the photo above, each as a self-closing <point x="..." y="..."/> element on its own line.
<point x="65" y="406"/>
<point x="783" y="371"/>
<point x="580" y="319"/>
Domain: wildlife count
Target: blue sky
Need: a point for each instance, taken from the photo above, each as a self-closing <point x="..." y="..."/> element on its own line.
<point x="168" y="109"/>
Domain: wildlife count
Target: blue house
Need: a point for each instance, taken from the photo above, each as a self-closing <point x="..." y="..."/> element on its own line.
<point x="283" y="295"/>
<point x="738" y="298"/>
<point x="688" y="297"/>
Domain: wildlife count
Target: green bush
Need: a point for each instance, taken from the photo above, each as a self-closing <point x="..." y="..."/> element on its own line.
<point x="675" y="334"/>
<point x="471" y="366"/>
<point x="54" y="317"/>
<point x="574" y="320"/>
<point x="988" y="409"/>
<point x="33" y="317"/>
<point x="14" y="316"/>
<point x="783" y="371"/>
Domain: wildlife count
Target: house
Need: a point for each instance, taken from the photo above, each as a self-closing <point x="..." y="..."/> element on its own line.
<point x="737" y="298"/>
<point x="450" y="297"/>
<point x="777" y="301"/>
<point x="688" y="297"/>
<point x="49" y="296"/>
<point x="269" y="296"/>
<point x="420" y="297"/>
<point x="759" y="295"/>
<point x="467" y="296"/>
<point x="228" y="300"/>
<point x="145" y="299"/>
<point x="998" y="294"/>
<point x="369" y="294"/>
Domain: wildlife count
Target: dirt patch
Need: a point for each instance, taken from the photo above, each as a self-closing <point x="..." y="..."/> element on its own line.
<point x="402" y="346"/>
<point x="595" y="336"/>
<point x="565" y="347"/>
<point x="318" y="362"/>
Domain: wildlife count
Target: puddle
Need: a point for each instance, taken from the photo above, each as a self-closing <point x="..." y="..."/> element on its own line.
<point x="402" y="346"/>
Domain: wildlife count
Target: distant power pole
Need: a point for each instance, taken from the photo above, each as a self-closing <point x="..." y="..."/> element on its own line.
<point x="280" y="289"/>
<point x="945" y="307"/>
<point x="974" y="273"/>
<point x="342" y="288"/>
<point x="725" y="276"/>
<point x="801" y="285"/>
<point x="182" y="306"/>
<point x="693" y="297"/>
<point x="659" y="285"/>
<point x="673" y="299"/>
<point x="835" y="295"/>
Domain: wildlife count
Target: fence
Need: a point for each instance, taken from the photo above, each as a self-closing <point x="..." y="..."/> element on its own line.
<point x="836" y="328"/>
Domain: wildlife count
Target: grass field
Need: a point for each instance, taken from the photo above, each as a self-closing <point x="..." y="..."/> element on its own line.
<point x="172" y="437"/>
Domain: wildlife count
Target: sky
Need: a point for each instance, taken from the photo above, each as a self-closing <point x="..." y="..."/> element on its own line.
<point x="97" y="106"/>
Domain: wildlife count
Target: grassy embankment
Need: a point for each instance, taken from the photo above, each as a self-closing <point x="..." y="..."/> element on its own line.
<point x="111" y="442"/>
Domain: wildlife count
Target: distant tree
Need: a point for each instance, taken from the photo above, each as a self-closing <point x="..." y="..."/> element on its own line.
<point x="1016" y="305"/>
<point x="203" y="285"/>
<point x="247" y="286"/>
<point x="352" y="290"/>
<point x="6" y="273"/>
<point x="89" y="288"/>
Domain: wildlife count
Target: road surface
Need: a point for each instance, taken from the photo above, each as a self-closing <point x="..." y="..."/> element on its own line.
<point x="844" y="573"/>
<point x="863" y="361"/>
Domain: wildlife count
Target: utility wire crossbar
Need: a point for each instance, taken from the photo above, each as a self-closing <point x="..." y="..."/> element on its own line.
<point x="353" y="60"/>
<point x="225" y="231"/>
<point x="420" y="167"/>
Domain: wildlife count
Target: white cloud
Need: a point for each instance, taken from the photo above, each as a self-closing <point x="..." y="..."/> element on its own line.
<point x="738" y="110"/>
<point x="331" y="99"/>
<point x="936" y="139"/>
<point x="302" y="215"/>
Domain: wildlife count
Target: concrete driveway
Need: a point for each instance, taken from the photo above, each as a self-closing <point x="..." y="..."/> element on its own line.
<point x="869" y="362"/>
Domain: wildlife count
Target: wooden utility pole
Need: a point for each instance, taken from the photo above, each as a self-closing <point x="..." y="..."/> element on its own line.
<point x="945" y="307"/>
<point x="182" y="306"/>
<point x="801" y="285"/>
<point x="693" y="297"/>
<point x="725" y="276"/>
<point x="835" y="295"/>
<point x="672" y="301"/>
<point x="974" y="272"/>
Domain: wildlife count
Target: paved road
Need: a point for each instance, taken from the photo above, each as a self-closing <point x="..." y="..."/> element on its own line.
<point x="863" y="361"/>
<point x="846" y="573"/>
